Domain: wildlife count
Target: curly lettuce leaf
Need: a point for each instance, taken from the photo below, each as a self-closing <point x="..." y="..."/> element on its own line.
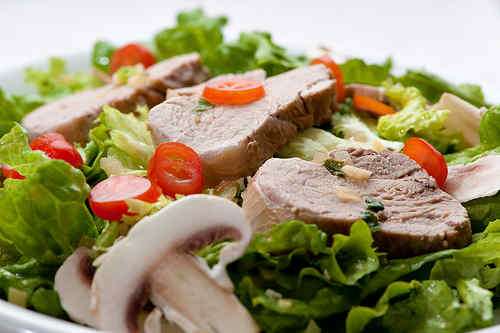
<point x="433" y="86"/>
<point x="101" y="55"/>
<point x="358" y="71"/>
<point x="427" y="306"/>
<point x="13" y="109"/>
<point x="417" y="119"/>
<point x="56" y="82"/>
<point x="45" y="215"/>
<point x="120" y="144"/>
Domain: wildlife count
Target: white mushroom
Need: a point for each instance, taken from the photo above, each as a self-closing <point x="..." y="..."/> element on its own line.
<point x="474" y="180"/>
<point x="463" y="117"/>
<point x="72" y="282"/>
<point x="156" y="261"/>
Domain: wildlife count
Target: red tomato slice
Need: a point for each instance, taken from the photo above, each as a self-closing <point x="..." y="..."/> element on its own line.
<point x="371" y="105"/>
<point x="233" y="92"/>
<point x="336" y="72"/>
<point x="8" y="172"/>
<point x="176" y="168"/>
<point x="55" y="146"/>
<point x="107" y="198"/>
<point x="428" y="158"/>
<point x="131" y="54"/>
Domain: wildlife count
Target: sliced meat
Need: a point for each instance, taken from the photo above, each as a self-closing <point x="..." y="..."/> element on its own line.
<point x="418" y="216"/>
<point x="257" y="75"/>
<point x="233" y="141"/>
<point x="474" y="180"/>
<point x="73" y="116"/>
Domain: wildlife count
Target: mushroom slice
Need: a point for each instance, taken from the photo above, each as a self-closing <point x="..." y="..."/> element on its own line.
<point x="72" y="282"/>
<point x="155" y="260"/>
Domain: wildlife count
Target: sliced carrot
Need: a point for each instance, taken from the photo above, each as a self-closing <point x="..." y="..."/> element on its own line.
<point x="371" y="105"/>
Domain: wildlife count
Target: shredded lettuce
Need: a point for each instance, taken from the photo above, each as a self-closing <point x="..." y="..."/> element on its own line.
<point x="120" y="144"/>
<point x="358" y="71"/>
<point x="196" y="32"/>
<point x="417" y="119"/>
<point x="56" y="82"/>
<point x="44" y="216"/>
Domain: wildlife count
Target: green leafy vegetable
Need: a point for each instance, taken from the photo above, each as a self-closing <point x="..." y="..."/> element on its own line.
<point x="433" y="86"/>
<point x="334" y="167"/>
<point x="125" y="73"/>
<point x="203" y="105"/>
<point x="482" y="211"/>
<point x="428" y="306"/>
<point x="417" y="119"/>
<point x="56" y="82"/>
<point x="44" y="216"/>
<point x="101" y="55"/>
<point x="123" y="141"/>
<point x="13" y="109"/>
<point x="357" y="71"/>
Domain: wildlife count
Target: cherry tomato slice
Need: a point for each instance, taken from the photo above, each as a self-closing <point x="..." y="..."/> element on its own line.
<point x="336" y="72"/>
<point x="55" y="146"/>
<point x="8" y="172"/>
<point x="371" y="105"/>
<point x="233" y="91"/>
<point x="131" y="54"/>
<point x="176" y="168"/>
<point x="107" y="198"/>
<point x="428" y="158"/>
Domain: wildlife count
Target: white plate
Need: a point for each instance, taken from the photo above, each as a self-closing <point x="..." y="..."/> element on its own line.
<point x="14" y="319"/>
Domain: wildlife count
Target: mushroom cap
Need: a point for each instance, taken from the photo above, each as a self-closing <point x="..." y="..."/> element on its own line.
<point x="72" y="282"/>
<point x="121" y="282"/>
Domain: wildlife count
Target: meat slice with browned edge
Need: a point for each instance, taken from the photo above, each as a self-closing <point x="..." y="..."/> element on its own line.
<point x="73" y="116"/>
<point x="233" y="141"/>
<point x="418" y="217"/>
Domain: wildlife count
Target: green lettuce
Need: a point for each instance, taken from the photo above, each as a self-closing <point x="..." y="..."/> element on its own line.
<point x="44" y="216"/>
<point x="427" y="306"/>
<point x="433" y="86"/>
<point x="14" y="108"/>
<point x="358" y="71"/>
<point x="120" y="144"/>
<point x="56" y="82"/>
<point x="417" y="119"/>
<point x="101" y="55"/>
<point x="196" y="32"/>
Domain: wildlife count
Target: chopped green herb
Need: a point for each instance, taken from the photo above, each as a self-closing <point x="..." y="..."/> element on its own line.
<point x="371" y="219"/>
<point x="203" y="105"/>
<point x="374" y="205"/>
<point x="334" y="167"/>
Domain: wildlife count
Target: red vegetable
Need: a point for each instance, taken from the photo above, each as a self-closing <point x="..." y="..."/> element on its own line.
<point x="131" y="54"/>
<point x="107" y="198"/>
<point x="371" y="105"/>
<point x="176" y="168"/>
<point x="55" y="146"/>
<point x="233" y="92"/>
<point x="8" y="172"/>
<point x="428" y="158"/>
<point x="336" y="72"/>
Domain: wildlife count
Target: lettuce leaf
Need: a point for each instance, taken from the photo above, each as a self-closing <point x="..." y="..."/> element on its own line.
<point x="101" y="55"/>
<point x="427" y="306"/>
<point x="417" y="119"/>
<point x="196" y="32"/>
<point x="14" y="108"/>
<point x="56" y="82"/>
<point x="433" y="86"/>
<point x="120" y="144"/>
<point x="45" y="215"/>
<point x="358" y="71"/>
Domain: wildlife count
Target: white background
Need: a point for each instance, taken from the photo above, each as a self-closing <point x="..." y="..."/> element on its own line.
<point x="458" y="39"/>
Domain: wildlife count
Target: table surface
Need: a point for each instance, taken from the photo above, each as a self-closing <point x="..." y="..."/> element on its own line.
<point x="458" y="39"/>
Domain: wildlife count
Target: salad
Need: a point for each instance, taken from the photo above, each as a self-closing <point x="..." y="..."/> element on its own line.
<point x="191" y="183"/>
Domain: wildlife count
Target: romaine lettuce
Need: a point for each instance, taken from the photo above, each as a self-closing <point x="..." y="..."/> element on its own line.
<point x="44" y="216"/>
<point x="417" y="119"/>
<point x="358" y="71"/>
<point x="14" y="108"/>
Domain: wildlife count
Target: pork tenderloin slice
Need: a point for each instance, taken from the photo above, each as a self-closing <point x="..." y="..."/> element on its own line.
<point x="418" y="217"/>
<point x="233" y="141"/>
<point x="73" y="116"/>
